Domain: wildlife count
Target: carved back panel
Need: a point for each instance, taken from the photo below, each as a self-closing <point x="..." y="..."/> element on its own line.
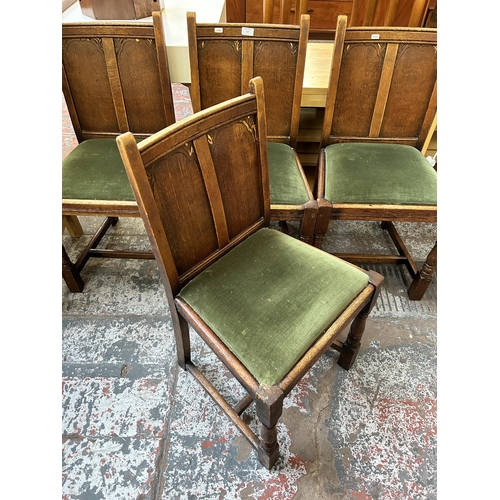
<point x="382" y="85"/>
<point x="116" y="79"/>
<point x="203" y="184"/>
<point x="224" y="57"/>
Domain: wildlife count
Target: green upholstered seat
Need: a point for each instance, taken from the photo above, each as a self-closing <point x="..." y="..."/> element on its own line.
<point x="392" y="174"/>
<point x="286" y="182"/>
<point x="94" y="171"/>
<point x="271" y="297"/>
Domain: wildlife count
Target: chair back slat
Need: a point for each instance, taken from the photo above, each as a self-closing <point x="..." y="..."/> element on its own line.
<point x="203" y="184"/>
<point x="382" y="85"/>
<point x="223" y="58"/>
<point x="115" y="78"/>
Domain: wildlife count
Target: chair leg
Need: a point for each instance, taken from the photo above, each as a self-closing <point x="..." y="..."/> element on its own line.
<point x="182" y="341"/>
<point x="284" y="226"/>
<point x="268" y="452"/>
<point x="72" y="224"/>
<point x="423" y="278"/>
<point x="349" y="350"/>
<point x="308" y="222"/>
<point x="70" y="274"/>
<point x="269" y="406"/>
<point x="322" y="222"/>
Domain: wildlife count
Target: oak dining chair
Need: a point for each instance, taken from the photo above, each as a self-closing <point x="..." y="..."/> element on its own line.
<point x="115" y="78"/>
<point x="267" y="304"/>
<point x="381" y="104"/>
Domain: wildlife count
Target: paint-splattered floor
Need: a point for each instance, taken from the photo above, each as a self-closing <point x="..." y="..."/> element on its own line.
<point x="135" y="426"/>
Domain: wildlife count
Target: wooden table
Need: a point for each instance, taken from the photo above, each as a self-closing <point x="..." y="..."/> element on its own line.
<point x="316" y="74"/>
<point x="174" y="21"/>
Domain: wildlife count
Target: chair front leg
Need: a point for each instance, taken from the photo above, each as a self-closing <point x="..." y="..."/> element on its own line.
<point x="351" y="346"/>
<point x="424" y="277"/>
<point x="269" y="406"/>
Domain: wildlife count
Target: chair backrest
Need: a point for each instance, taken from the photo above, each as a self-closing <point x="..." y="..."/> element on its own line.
<point x="202" y="185"/>
<point x="115" y="78"/>
<point x="382" y="85"/>
<point x="224" y="57"/>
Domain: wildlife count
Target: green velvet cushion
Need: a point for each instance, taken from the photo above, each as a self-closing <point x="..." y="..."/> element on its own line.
<point x="270" y="298"/>
<point x="94" y="171"/>
<point x="391" y="174"/>
<point x="286" y="183"/>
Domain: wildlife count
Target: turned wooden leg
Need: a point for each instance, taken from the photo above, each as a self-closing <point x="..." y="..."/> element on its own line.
<point x="424" y="277"/>
<point x="268" y="452"/>
<point x="269" y="406"/>
<point x="351" y="346"/>
<point x="71" y="274"/>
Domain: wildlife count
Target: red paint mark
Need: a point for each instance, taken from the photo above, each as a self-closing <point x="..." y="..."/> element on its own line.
<point x="359" y="495"/>
<point x="207" y="444"/>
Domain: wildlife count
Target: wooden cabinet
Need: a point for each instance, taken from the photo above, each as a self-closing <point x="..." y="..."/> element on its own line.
<point x="323" y="12"/>
<point x="119" y="9"/>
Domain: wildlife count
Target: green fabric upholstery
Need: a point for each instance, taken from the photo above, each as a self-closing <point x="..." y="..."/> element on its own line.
<point x="392" y="174"/>
<point x="270" y="298"/>
<point x="94" y="171"/>
<point x="286" y="183"/>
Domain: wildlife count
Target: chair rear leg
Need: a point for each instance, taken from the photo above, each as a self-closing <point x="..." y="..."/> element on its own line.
<point x="322" y="222"/>
<point x="182" y="340"/>
<point x="308" y="222"/>
<point x="424" y="277"/>
<point x="284" y="226"/>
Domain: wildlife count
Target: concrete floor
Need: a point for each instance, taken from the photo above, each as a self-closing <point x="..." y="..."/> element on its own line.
<point x="135" y="426"/>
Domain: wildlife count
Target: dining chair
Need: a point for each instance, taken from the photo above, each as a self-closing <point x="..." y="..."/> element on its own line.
<point x="267" y="304"/>
<point x="223" y="58"/>
<point x="381" y="104"/>
<point x="115" y="79"/>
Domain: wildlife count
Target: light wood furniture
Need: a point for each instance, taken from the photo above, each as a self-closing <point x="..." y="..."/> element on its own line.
<point x="203" y="191"/>
<point x="223" y="58"/>
<point x="115" y="79"/>
<point x="67" y="3"/>
<point x="381" y="105"/>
